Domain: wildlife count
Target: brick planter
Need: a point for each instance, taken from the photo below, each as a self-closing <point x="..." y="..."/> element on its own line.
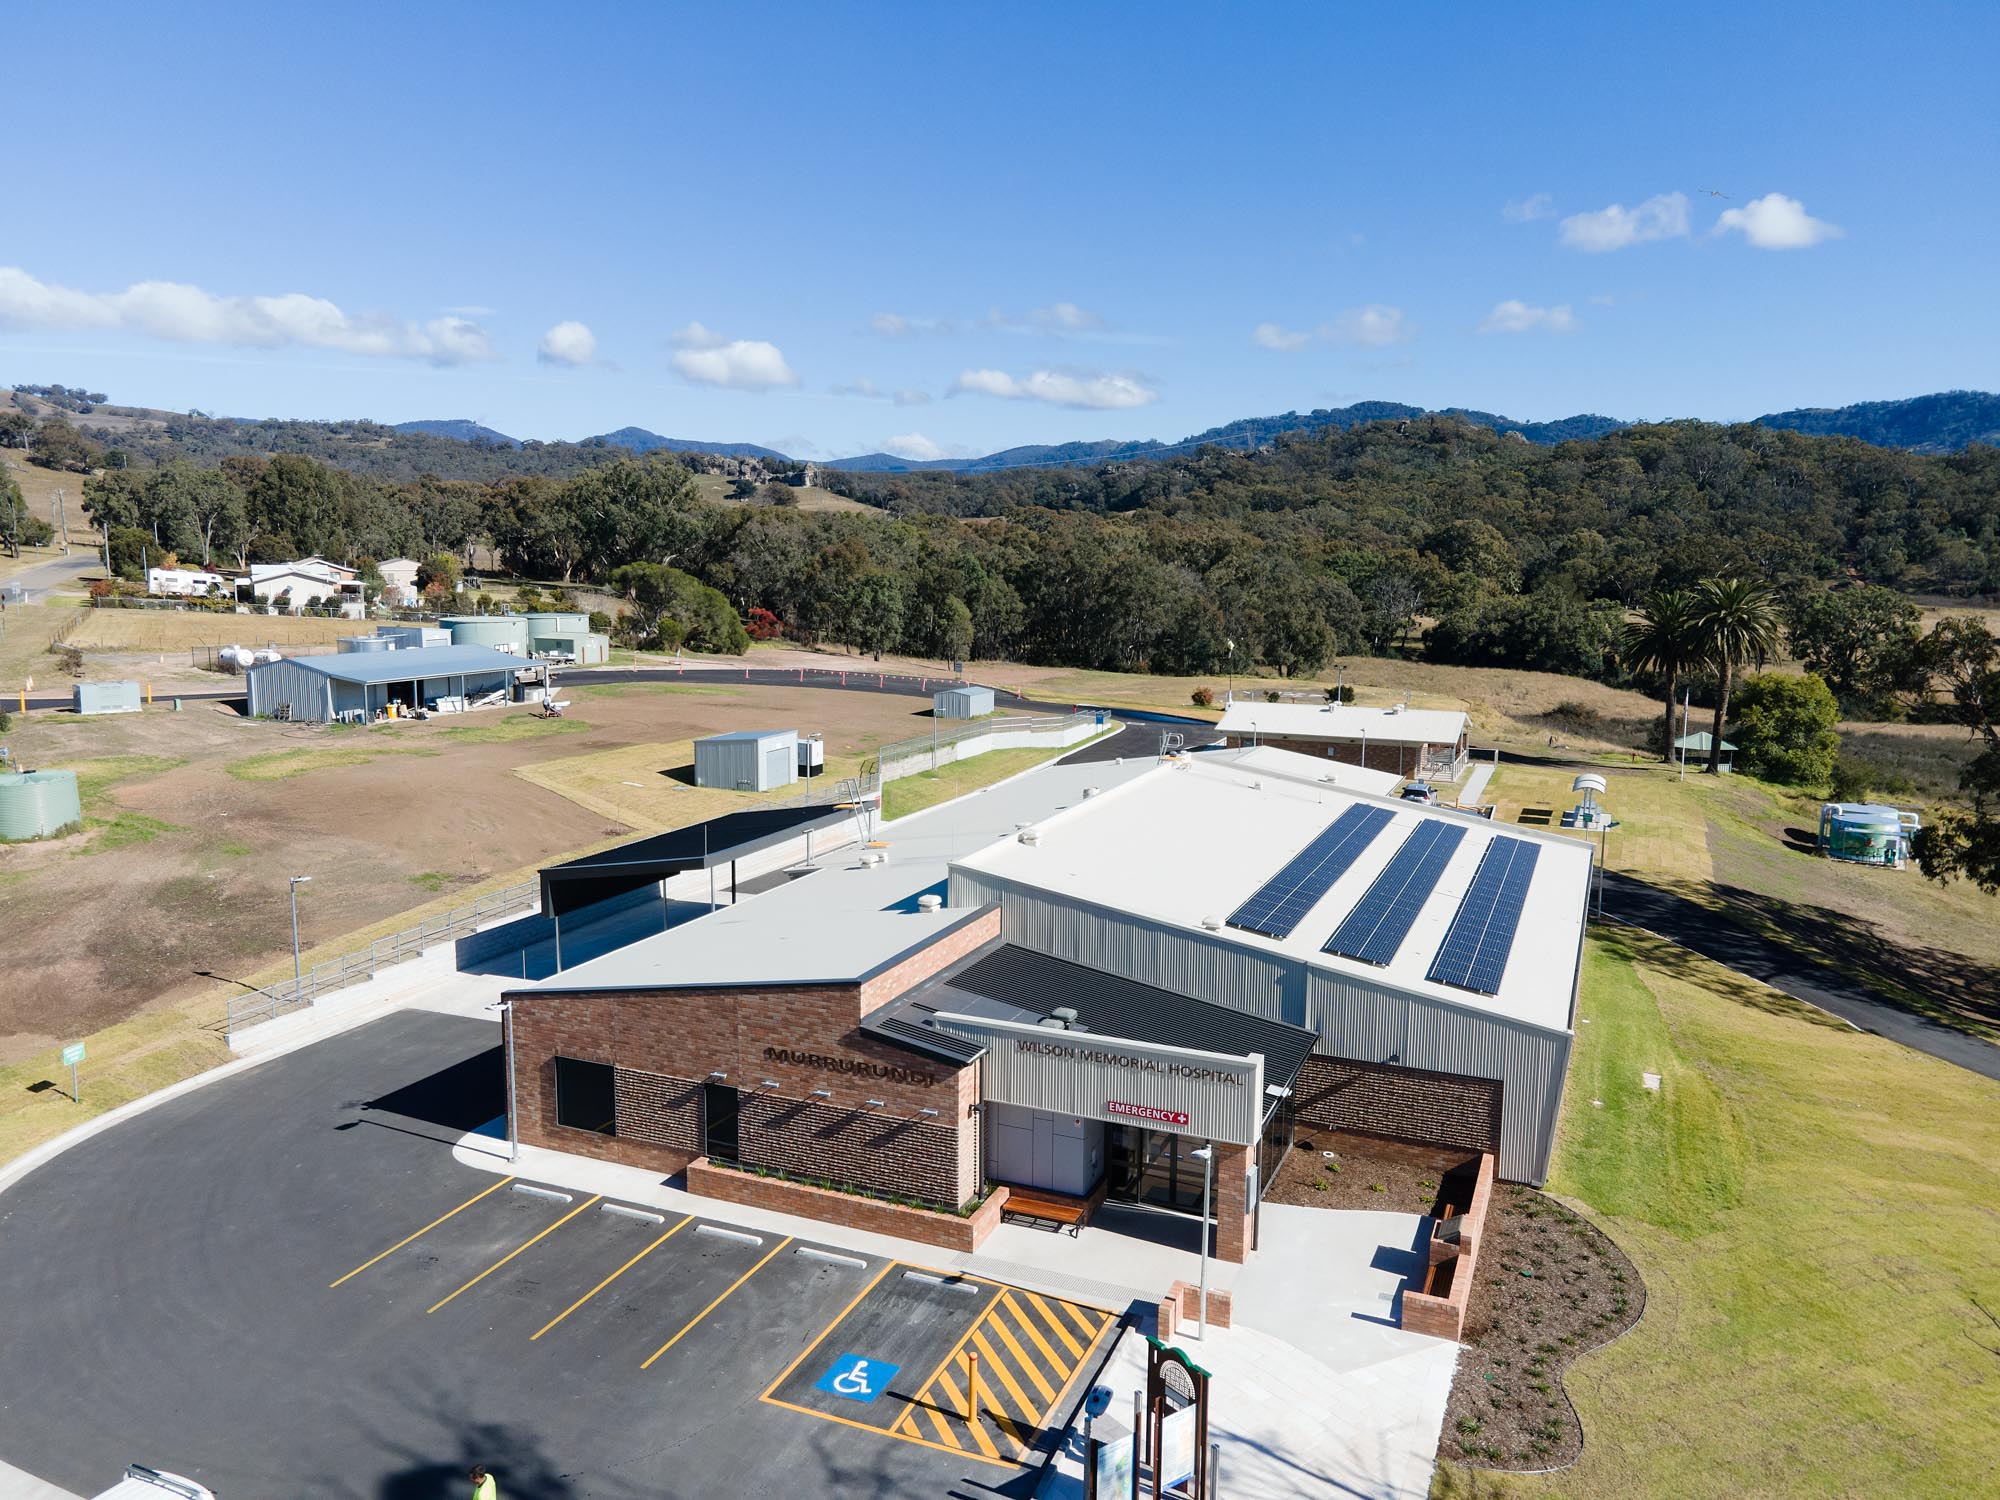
<point x="849" y="1210"/>
<point x="1444" y="1317"/>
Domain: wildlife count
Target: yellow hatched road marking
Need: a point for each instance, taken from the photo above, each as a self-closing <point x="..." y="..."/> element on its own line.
<point x="979" y="1436"/>
<point x="950" y="1355"/>
<point x="1090" y="1331"/>
<point x="1027" y="1363"/>
<point x="998" y="1367"/>
<point x="943" y="1427"/>
<point x="717" y="1303"/>
<point x="922" y="1442"/>
<point x="1056" y="1323"/>
<point x="516" y="1251"/>
<point x="1006" y="1424"/>
<point x="611" y="1278"/>
<point x="420" y="1233"/>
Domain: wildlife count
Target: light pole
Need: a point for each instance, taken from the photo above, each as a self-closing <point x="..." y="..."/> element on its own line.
<point x="513" y="1128"/>
<point x="1230" y="646"/>
<point x="1206" y="1153"/>
<point x="297" y="881"/>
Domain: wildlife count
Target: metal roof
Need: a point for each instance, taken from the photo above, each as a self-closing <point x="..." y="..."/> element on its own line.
<point x="1345" y="722"/>
<point x="403" y="666"/>
<point x="746" y="734"/>
<point x="1009" y="983"/>
<point x="699" y="846"/>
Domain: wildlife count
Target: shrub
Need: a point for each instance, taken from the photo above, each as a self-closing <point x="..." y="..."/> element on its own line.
<point x="1856" y="779"/>
<point x="1341" y="694"/>
<point x="1577" y="715"/>
<point x="1204" y="697"/>
<point x="1784" y="729"/>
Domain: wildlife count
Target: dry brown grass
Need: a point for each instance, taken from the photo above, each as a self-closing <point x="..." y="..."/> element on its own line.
<point x="811" y="497"/>
<point x="156" y="630"/>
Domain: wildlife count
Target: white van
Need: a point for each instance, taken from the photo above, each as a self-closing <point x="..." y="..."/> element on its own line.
<point x="142" y="1483"/>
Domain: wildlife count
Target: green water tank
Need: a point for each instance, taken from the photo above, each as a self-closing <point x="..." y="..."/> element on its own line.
<point x="501" y="632"/>
<point x="34" y="804"/>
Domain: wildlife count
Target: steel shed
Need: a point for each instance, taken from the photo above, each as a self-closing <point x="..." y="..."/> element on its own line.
<point x="315" y="689"/>
<point x="968" y="702"/>
<point x="749" y="760"/>
<point x="408" y="637"/>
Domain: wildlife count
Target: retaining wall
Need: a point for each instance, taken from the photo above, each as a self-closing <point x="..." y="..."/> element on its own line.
<point x="1444" y="1316"/>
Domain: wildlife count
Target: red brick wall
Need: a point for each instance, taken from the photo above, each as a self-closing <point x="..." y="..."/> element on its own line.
<point x="664" y="1044"/>
<point x="1235" y="1232"/>
<point x="1444" y="1317"/>
<point x="1406" y="1103"/>
<point x="1399" y="760"/>
<point x="918" y="967"/>
<point x="947" y="1231"/>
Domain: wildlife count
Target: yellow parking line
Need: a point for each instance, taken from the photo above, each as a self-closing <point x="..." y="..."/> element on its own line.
<point x="1062" y="1367"/>
<point x="717" y="1302"/>
<point x="986" y="1444"/>
<point x="516" y="1251"/>
<point x="997" y="1366"/>
<point x="1056" y="1324"/>
<point x="951" y="1354"/>
<point x="1024" y="1359"/>
<point x="1014" y="1435"/>
<point x="839" y="1317"/>
<point x="937" y="1417"/>
<point x="420" y="1233"/>
<point x="922" y="1442"/>
<point x="1091" y="1332"/>
<point x="611" y="1278"/>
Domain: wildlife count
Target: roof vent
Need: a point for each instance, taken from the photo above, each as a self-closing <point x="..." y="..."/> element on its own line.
<point x="1030" y="836"/>
<point x="1050" y="1023"/>
<point x="1065" y="1014"/>
<point x="929" y="901"/>
<point x="873" y="857"/>
<point x="1092" y="791"/>
<point x="1213" y="924"/>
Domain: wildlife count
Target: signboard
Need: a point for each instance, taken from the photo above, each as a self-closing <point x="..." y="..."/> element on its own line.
<point x="856" y="1378"/>
<point x="1146" y="1112"/>
<point x="1085" y="1074"/>
<point x="1177" y="1448"/>
<point x="72" y="1054"/>
<point x="1111" y="1468"/>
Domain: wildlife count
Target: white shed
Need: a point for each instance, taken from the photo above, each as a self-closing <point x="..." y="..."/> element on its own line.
<point x="749" y="760"/>
<point x="967" y="702"/>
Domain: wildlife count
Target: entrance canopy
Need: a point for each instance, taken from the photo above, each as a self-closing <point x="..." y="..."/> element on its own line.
<point x="1112" y="1048"/>
<point x="699" y="846"/>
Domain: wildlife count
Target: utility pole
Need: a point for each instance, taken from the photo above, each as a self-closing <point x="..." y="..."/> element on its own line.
<point x="297" y="983"/>
<point x="62" y="525"/>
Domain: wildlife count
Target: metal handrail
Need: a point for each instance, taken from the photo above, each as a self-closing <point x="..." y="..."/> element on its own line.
<point x="269" y="1002"/>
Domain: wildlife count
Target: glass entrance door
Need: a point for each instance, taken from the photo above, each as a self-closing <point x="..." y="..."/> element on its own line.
<point x="1156" y="1167"/>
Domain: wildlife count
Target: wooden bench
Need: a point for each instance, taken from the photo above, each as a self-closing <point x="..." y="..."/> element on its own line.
<point x="1046" y="1211"/>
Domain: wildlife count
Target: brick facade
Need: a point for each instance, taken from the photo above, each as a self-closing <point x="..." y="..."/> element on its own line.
<point x="946" y="1231"/>
<point x="869" y="1126"/>
<point x="1440" y="1109"/>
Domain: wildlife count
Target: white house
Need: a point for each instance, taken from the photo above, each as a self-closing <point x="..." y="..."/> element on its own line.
<point x="293" y="585"/>
<point x="398" y="573"/>
<point x="184" y="583"/>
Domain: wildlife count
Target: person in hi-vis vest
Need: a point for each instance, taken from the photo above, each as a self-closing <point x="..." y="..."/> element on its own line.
<point x="483" y="1487"/>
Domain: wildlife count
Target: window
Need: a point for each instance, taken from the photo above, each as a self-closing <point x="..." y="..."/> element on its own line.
<point x="585" y="1096"/>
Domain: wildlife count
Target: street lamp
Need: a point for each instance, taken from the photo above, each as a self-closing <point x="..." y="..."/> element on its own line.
<point x="506" y="1009"/>
<point x="297" y="881"/>
<point x="1206" y="1155"/>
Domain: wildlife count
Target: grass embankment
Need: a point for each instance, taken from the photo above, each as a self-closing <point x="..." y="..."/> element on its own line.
<point x="1816" y="1214"/>
<point x="911" y="794"/>
<point x="166" y="630"/>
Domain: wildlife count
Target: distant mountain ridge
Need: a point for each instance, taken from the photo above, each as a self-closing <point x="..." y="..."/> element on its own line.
<point x="639" y="440"/>
<point x="1943" y="423"/>
<point x="462" y="428"/>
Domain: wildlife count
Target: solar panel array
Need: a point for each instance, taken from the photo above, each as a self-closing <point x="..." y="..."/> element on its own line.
<point x="1380" y="921"/>
<point x="1474" y="955"/>
<point x="1283" y="900"/>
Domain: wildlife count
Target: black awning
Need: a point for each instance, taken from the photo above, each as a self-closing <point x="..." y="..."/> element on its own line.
<point x="699" y="846"/>
<point x="1015" y="984"/>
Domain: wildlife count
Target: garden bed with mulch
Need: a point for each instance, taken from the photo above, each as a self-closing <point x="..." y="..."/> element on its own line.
<point x="1339" y="1169"/>
<point x="1550" y="1286"/>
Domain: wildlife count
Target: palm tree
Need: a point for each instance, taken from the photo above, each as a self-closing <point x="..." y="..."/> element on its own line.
<point x="1736" y="620"/>
<point x="1663" y="639"/>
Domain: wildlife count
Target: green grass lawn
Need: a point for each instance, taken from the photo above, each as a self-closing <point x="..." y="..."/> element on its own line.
<point x="912" y="794"/>
<point x="1816" y="1213"/>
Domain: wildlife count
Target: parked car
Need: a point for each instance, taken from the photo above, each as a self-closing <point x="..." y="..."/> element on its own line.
<point x="142" y="1483"/>
<point x="1420" y="791"/>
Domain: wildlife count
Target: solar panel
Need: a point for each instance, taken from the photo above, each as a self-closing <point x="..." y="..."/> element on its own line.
<point x="1283" y="900"/>
<point x="1474" y="955"/>
<point x="1380" y="921"/>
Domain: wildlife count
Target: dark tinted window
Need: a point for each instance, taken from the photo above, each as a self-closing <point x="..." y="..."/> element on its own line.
<point x="585" y="1099"/>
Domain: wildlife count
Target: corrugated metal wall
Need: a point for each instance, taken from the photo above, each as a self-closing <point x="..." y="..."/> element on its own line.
<point x="1355" y="1019"/>
<point x="280" y="682"/>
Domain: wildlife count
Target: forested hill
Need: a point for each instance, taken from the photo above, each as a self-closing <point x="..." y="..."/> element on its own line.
<point x="1943" y="423"/>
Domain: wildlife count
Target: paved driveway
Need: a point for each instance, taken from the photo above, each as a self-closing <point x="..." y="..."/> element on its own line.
<point x="283" y="1284"/>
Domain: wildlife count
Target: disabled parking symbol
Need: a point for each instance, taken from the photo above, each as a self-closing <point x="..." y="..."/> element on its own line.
<point x="856" y="1378"/>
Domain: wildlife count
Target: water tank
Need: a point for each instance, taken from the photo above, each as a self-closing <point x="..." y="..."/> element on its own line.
<point x="353" y="643"/>
<point x="501" y="632"/>
<point x="34" y="804"/>
<point x="559" y="622"/>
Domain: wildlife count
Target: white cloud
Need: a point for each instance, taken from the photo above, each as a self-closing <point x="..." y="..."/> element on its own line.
<point x="1065" y="317"/>
<point x="742" y="365"/>
<point x="916" y="446"/>
<point x="568" y="343"/>
<point x="911" y="396"/>
<point x="1775" y="222"/>
<point x="1088" y="390"/>
<point x="695" y="336"/>
<point x="1662" y="217"/>
<point x="1276" y="336"/>
<point x="1375" y="326"/>
<point x="890" y="324"/>
<point x="1526" y="210"/>
<point x="178" y="313"/>
<point x="470" y="312"/>
<point x="861" y="386"/>
<point x="1514" y="316"/>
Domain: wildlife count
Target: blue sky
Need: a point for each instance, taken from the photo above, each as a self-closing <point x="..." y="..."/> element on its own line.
<point x="953" y="229"/>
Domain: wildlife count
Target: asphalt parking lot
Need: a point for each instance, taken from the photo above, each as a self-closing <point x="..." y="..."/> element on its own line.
<point x="284" y="1284"/>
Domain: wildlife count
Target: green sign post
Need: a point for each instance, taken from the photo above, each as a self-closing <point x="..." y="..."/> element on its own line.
<point x="72" y="1055"/>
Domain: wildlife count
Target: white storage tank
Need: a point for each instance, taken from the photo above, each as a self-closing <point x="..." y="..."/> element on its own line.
<point x="749" y="760"/>
<point x="353" y="643"/>
<point x="967" y="702"/>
